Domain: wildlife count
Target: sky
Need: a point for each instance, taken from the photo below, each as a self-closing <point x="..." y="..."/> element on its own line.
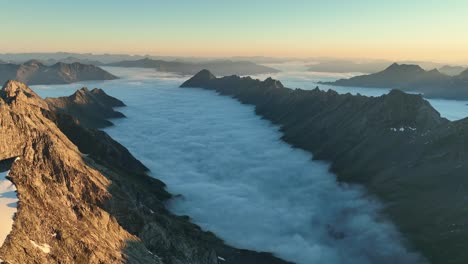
<point x="396" y="30"/>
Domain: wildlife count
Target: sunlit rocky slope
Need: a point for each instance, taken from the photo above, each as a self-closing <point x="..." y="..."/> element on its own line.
<point x="83" y="198"/>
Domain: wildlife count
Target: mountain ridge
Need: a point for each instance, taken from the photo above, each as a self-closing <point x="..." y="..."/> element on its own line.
<point x="412" y="78"/>
<point x="396" y="145"/>
<point x="220" y="67"/>
<point x="34" y="72"/>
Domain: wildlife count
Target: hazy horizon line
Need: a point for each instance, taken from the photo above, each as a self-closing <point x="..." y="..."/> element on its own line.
<point x="289" y="58"/>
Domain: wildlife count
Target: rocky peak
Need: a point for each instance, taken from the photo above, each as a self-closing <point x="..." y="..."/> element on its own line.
<point x="199" y="79"/>
<point x="17" y="92"/>
<point x="395" y="67"/>
<point x="206" y="79"/>
<point x="82" y="95"/>
<point x="270" y="82"/>
<point x="90" y="108"/>
<point x="59" y="192"/>
<point x="105" y="98"/>
<point x="399" y="108"/>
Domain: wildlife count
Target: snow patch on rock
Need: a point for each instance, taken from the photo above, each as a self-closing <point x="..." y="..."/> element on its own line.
<point x="44" y="247"/>
<point x="8" y="205"/>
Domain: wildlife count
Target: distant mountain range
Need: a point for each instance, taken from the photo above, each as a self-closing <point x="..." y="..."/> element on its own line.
<point x="373" y="66"/>
<point x="70" y="60"/>
<point x="110" y="58"/>
<point x="452" y="70"/>
<point x="60" y="56"/>
<point x="344" y="66"/>
<point x="412" y="78"/>
<point x="219" y="67"/>
<point x="34" y="72"/>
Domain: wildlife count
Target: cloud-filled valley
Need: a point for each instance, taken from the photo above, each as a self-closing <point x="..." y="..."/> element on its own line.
<point x="237" y="179"/>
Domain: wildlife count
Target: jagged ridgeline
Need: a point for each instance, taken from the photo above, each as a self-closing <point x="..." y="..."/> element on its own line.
<point x="396" y="145"/>
<point x="83" y="198"/>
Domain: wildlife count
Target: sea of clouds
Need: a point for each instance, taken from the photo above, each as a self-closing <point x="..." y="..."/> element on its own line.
<point x="237" y="178"/>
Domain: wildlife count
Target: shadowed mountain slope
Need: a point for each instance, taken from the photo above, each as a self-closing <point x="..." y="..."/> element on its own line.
<point x="396" y="145"/>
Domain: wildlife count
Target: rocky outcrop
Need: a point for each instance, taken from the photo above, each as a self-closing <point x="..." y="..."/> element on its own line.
<point x="219" y="67"/>
<point x="396" y="145"/>
<point x="83" y="198"/>
<point x="34" y="72"/>
<point x="59" y="217"/>
<point x="412" y="78"/>
<point x="91" y="108"/>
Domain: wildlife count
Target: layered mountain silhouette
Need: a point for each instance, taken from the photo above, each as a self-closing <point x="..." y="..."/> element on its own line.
<point x="70" y="60"/>
<point x="397" y="145"/>
<point x="35" y="72"/>
<point x="219" y="67"/>
<point x="452" y="70"/>
<point x="412" y="78"/>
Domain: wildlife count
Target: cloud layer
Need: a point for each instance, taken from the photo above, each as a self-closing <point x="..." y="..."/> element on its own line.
<point x="240" y="181"/>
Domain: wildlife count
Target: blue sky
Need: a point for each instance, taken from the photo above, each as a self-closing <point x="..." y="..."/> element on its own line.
<point x="376" y="29"/>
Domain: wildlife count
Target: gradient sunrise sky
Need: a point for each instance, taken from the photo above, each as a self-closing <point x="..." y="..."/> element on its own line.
<point x="396" y="30"/>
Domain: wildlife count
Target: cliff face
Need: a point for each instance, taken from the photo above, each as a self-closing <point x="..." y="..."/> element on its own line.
<point x="83" y="198"/>
<point x="34" y="72"/>
<point x="396" y="145"/>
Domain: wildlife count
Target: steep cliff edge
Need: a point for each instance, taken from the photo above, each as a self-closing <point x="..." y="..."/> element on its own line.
<point x="83" y="198"/>
<point x="396" y="145"/>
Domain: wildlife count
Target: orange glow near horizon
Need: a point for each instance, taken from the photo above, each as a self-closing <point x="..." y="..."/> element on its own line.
<point x="392" y="30"/>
